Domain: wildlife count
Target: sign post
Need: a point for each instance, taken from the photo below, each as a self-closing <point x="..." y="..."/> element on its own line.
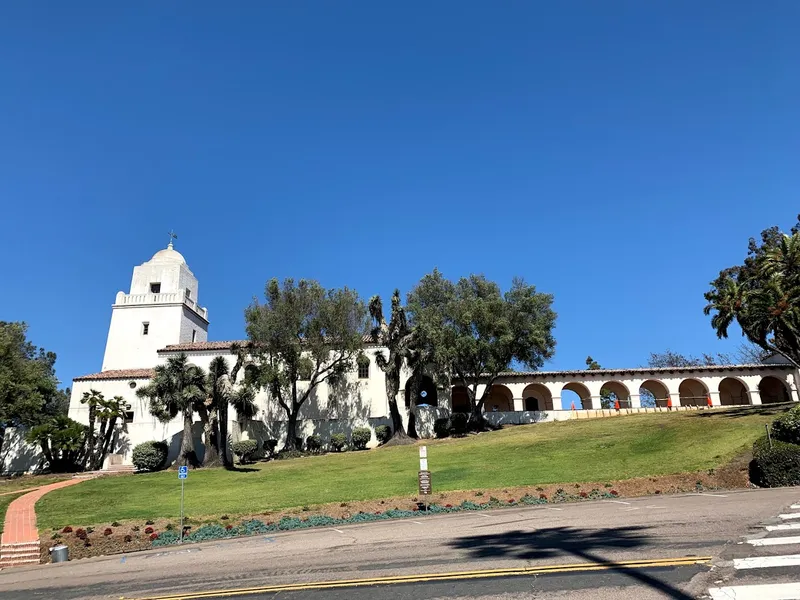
<point x="425" y="488"/>
<point x="183" y="473"/>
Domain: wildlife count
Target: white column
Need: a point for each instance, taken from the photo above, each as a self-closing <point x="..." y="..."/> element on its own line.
<point x="715" y="399"/>
<point x="518" y="404"/>
<point x="557" y="403"/>
<point x="636" y="401"/>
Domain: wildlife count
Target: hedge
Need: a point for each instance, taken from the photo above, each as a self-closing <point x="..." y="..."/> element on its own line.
<point x="786" y="428"/>
<point x="360" y="437"/>
<point x="383" y="433"/>
<point x="150" y="456"/>
<point x="776" y="466"/>
<point x="245" y="450"/>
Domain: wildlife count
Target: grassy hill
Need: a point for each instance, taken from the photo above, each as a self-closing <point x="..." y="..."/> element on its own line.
<point x="572" y="451"/>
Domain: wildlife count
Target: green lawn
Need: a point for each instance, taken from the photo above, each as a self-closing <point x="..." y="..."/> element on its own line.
<point x="4" y="502"/>
<point x="24" y="482"/>
<point x="574" y="451"/>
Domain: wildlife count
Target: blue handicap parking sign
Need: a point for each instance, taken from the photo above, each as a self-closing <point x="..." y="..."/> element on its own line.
<point x="183" y="472"/>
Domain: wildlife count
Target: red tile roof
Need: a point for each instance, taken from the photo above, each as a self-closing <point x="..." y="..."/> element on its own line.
<point x="118" y="374"/>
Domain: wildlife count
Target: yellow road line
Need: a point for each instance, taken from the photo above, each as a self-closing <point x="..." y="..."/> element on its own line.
<point x="479" y="574"/>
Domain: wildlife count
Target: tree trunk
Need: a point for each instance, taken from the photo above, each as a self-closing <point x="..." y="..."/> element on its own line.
<point x="209" y="420"/>
<point x="107" y="440"/>
<point x="222" y="440"/>
<point x="187" y="455"/>
<point x="291" y="431"/>
<point x="392" y="385"/>
<point x="90" y="439"/>
<point x="2" y="440"/>
<point x="477" y="422"/>
<point x="413" y="391"/>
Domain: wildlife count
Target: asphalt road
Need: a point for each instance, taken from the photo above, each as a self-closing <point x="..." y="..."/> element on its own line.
<point x="575" y="551"/>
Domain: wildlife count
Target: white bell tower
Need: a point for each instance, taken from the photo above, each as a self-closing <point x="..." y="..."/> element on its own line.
<point x="161" y="309"/>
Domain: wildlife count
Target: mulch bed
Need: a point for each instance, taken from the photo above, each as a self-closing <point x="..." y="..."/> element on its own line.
<point x="131" y="536"/>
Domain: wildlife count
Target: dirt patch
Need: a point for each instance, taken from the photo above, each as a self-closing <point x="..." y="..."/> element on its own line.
<point x="130" y="536"/>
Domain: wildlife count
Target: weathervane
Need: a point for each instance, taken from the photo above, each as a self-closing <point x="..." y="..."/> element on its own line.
<point x="172" y="236"/>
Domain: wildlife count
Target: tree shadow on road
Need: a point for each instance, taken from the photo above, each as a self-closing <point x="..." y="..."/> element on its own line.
<point x="586" y="544"/>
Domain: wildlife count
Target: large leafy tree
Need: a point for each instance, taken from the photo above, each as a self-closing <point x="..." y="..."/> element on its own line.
<point x="474" y="332"/>
<point x="304" y="336"/>
<point x="63" y="443"/>
<point x="762" y="295"/>
<point x="177" y="388"/>
<point x="399" y="340"/>
<point x="29" y="391"/>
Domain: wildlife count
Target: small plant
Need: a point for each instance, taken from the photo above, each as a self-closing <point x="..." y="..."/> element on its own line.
<point x="108" y="531"/>
<point x="149" y="522"/>
<point x="658" y="491"/>
<point x="361" y="437"/>
<point x="608" y="485"/>
<point x="383" y="433"/>
<point x="148" y="530"/>
<point x="448" y="506"/>
<point x="614" y="493"/>
<point x="343" y="504"/>
<point x="228" y="527"/>
<point x="314" y="443"/>
<point x="128" y="538"/>
<point x="169" y="527"/>
<point x="584" y="495"/>
<point x="269" y="446"/>
<point x="493" y="500"/>
<point x="224" y="517"/>
<point x="244" y="450"/>
<point x="55" y="536"/>
<point x="479" y="494"/>
<point x="87" y="543"/>
<point x="67" y="529"/>
<point x="441" y="427"/>
<point x="542" y="496"/>
<point x="80" y="533"/>
<point x="90" y="530"/>
<point x="306" y="509"/>
<point x="338" y="442"/>
<point x="577" y="486"/>
<point x="115" y="524"/>
<point x="135" y="528"/>
<point x="153" y="537"/>
<point x="511" y="501"/>
<point x="458" y="424"/>
<point x="539" y="489"/>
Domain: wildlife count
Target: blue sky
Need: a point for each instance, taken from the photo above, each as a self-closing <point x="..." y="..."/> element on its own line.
<point x="616" y="154"/>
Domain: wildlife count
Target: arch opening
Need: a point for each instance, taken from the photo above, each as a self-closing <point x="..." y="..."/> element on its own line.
<point x="537" y="397"/>
<point x="653" y="393"/>
<point x="500" y="399"/>
<point x="616" y="391"/>
<point x="693" y="392"/>
<point x="427" y="394"/>
<point x="459" y="399"/>
<point x="576" y="395"/>
<point x="772" y="390"/>
<point x="733" y="392"/>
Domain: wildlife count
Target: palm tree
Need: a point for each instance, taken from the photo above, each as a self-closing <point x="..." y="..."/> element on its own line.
<point x="217" y="386"/>
<point x="108" y="411"/>
<point x="242" y="399"/>
<point x="397" y="337"/>
<point x="177" y="388"/>
<point x="93" y="398"/>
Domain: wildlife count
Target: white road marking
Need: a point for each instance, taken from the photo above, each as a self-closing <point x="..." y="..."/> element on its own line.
<point x="772" y="591"/>
<point x="551" y="508"/>
<point x="616" y="501"/>
<point x="790" y="516"/>
<point x="483" y="515"/>
<point x="795" y="506"/>
<point x="417" y="523"/>
<point x="789" y="539"/>
<point x="712" y="495"/>
<point x="338" y="531"/>
<point x="630" y="509"/>
<point x="655" y="506"/>
<point x="783" y="527"/>
<point x="762" y="562"/>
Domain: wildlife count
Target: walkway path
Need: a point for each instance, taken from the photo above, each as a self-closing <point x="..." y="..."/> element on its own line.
<point x="20" y="541"/>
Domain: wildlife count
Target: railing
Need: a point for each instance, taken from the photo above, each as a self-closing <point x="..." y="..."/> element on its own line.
<point x="165" y="298"/>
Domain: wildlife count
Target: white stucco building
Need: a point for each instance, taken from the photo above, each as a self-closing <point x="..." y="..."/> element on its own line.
<point x="160" y="317"/>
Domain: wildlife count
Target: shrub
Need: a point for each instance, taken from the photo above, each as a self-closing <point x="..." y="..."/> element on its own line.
<point x="786" y="428"/>
<point x="441" y="427"/>
<point x="149" y="522"/>
<point x="169" y="527"/>
<point x="285" y="454"/>
<point x="67" y="529"/>
<point x="148" y="530"/>
<point x="245" y="450"/>
<point x="153" y="537"/>
<point x="776" y="466"/>
<point x="89" y="529"/>
<point x="458" y="424"/>
<point x="108" y="531"/>
<point x="135" y="528"/>
<point x="270" y="445"/>
<point x="150" y="456"/>
<point x="383" y="433"/>
<point x="115" y="524"/>
<point x="361" y="437"/>
<point x="128" y="538"/>
<point x="338" y="441"/>
<point x="224" y="517"/>
<point x="313" y="443"/>
<point x="80" y="533"/>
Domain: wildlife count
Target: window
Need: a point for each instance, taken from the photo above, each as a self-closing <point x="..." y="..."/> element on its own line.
<point x="145" y="328"/>
<point x="155" y="288"/>
<point x="363" y="369"/>
<point x="188" y="294"/>
<point x="129" y="416"/>
<point x="194" y="334"/>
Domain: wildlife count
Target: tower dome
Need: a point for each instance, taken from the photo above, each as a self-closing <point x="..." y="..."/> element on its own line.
<point x="168" y="255"/>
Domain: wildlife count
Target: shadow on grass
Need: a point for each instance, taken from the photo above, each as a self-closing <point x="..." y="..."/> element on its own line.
<point x="736" y="412"/>
<point x="239" y="469"/>
<point x="587" y="544"/>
